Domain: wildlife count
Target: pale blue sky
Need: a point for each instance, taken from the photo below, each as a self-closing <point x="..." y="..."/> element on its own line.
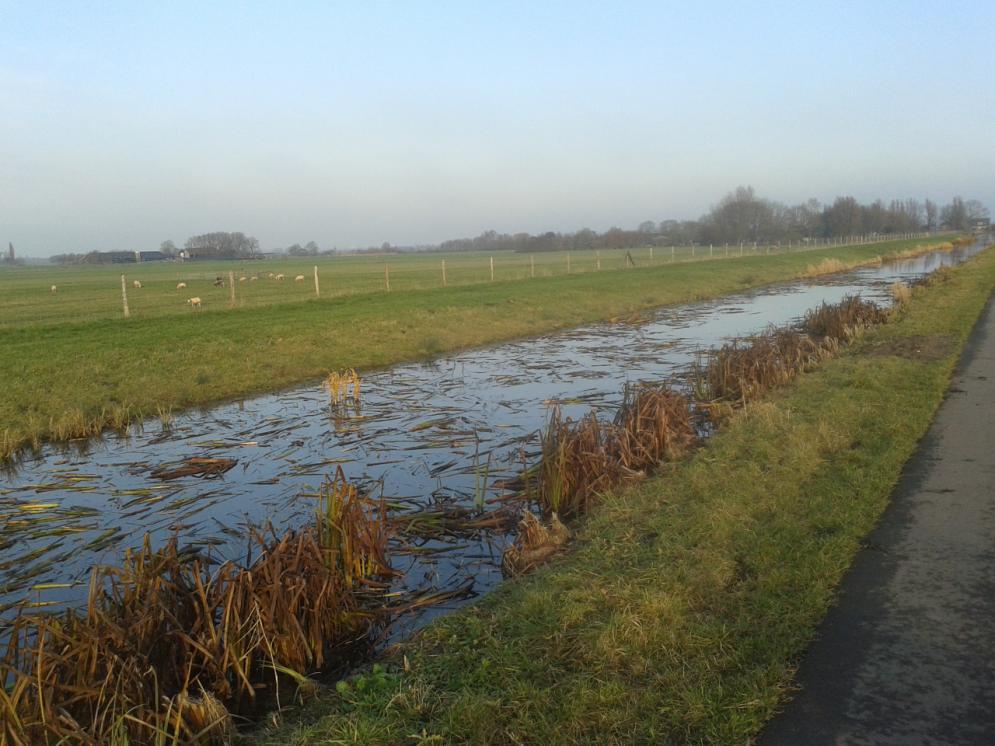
<point x="356" y="123"/>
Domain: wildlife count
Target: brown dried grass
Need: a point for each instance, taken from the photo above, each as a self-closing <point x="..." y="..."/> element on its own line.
<point x="584" y="458"/>
<point x="745" y="369"/>
<point x="843" y="320"/>
<point x="169" y="648"/>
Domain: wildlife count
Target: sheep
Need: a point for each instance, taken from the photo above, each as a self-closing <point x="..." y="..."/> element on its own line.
<point x="243" y="278"/>
<point x="279" y="276"/>
<point x="136" y="284"/>
<point x="219" y="282"/>
<point x="194" y="302"/>
<point x="270" y="275"/>
<point x="299" y="278"/>
<point x="54" y="288"/>
<point x="181" y="286"/>
<point x="253" y="278"/>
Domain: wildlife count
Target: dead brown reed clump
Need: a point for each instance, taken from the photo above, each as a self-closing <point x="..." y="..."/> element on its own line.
<point x="534" y="545"/>
<point x="584" y="458"/>
<point x="745" y="369"/>
<point x="169" y="648"/>
<point x="843" y="320"/>
<point x="343" y="385"/>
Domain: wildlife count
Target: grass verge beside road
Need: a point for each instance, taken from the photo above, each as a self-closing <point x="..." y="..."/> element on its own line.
<point x="678" y="614"/>
<point x="69" y="380"/>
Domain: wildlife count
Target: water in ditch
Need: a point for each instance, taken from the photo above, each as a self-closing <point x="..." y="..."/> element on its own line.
<point x="439" y="433"/>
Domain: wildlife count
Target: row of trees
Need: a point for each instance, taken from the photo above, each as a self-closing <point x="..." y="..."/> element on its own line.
<point x="742" y="216"/>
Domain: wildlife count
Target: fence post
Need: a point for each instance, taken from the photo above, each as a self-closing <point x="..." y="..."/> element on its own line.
<point x="710" y="252"/>
<point x="386" y="275"/>
<point x="492" y="269"/>
<point x="532" y="266"/>
<point x="124" y="297"/>
<point x="568" y="262"/>
<point x="231" y="288"/>
<point x="597" y="258"/>
<point x="444" y="273"/>
<point x="673" y="253"/>
<point x="692" y="251"/>
<point x="651" y="254"/>
<point x="317" y="290"/>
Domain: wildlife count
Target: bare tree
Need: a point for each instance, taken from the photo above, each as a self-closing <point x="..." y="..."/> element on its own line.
<point x="932" y="213"/>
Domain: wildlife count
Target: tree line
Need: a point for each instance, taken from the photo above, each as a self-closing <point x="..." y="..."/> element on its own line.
<point x="743" y="216"/>
<point x="740" y="217"/>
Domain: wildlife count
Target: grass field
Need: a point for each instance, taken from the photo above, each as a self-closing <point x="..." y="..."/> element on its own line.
<point x="73" y="366"/>
<point x="683" y="606"/>
<point x="91" y="293"/>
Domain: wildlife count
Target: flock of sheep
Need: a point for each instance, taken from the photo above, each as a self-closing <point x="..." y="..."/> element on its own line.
<point x="195" y="302"/>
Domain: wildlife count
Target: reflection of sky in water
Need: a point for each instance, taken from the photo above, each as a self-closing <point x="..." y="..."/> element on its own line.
<point x="422" y="431"/>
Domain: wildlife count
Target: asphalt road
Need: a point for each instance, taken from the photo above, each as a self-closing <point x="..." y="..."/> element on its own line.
<point x="908" y="655"/>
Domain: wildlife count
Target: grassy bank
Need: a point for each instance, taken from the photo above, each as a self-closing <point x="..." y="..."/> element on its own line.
<point x="680" y="610"/>
<point x="68" y="380"/>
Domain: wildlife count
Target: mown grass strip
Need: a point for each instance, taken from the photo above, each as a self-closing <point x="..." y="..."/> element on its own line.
<point x="70" y="380"/>
<point x="679" y="613"/>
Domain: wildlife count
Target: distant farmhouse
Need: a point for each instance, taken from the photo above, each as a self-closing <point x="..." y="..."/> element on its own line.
<point x="981" y="225"/>
<point x="124" y="257"/>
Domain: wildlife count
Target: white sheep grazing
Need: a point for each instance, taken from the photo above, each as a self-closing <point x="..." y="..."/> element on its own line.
<point x="136" y="283"/>
<point x="279" y="276"/>
<point x="299" y="278"/>
<point x="54" y="288"/>
<point x="253" y="278"/>
<point x="181" y="286"/>
<point x="194" y="302"/>
<point x="269" y="275"/>
<point x="243" y="278"/>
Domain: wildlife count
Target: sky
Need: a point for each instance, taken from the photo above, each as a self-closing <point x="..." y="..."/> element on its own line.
<point x="124" y="124"/>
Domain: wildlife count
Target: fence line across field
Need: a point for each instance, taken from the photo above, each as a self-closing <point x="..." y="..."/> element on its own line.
<point x="473" y="268"/>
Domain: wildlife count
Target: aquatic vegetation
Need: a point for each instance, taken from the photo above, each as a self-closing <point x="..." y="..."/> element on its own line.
<point x="195" y="467"/>
<point x="843" y="320"/>
<point x="744" y="369"/>
<point x="343" y="385"/>
<point x="170" y="647"/>
<point x="583" y="458"/>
